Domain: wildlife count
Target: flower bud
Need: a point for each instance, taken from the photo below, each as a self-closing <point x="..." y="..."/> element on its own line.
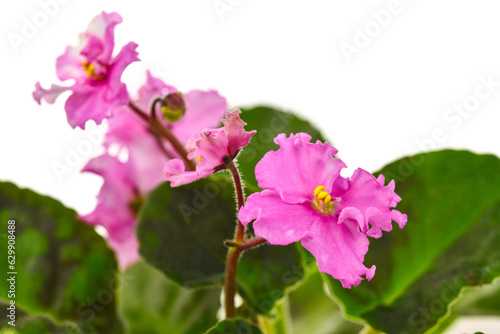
<point x="173" y="107"/>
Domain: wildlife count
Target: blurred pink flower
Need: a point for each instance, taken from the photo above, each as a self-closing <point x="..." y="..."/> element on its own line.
<point x="305" y="198"/>
<point x="98" y="87"/>
<point x="213" y="148"/>
<point x="115" y="208"/>
<point x="128" y="179"/>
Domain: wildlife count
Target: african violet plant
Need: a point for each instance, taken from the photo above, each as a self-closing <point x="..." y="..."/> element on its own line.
<point x="226" y="268"/>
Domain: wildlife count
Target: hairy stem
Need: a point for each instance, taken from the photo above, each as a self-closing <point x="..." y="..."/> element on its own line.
<point x="236" y="248"/>
<point x="240" y="229"/>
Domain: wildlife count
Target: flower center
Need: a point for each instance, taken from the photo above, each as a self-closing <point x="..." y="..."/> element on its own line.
<point x="90" y="70"/>
<point x="322" y="201"/>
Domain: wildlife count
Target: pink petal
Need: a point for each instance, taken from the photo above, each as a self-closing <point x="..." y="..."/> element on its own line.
<point x="88" y="104"/>
<point x="353" y="214"/>
<point x="234" y="130"/>
<point x="204" y="109"/>
<point x="70" y="64"/>
<point x="175" y="172"/>
<point x="94" y="46"/>
<point x="117" y="90"/>
<point x="126" y="250"/>
<point x="372" y="200"/>
<point x="145" y="157"/>
<point x="211" y="147"/>
<point x="339" y="250"/>
<point x="278" y="222"/>
<point x="49" y="95"/>
<point x="101" y="36"/>
<point x="113" y="171"/>
<point x="298" y="167"/>
<point x="95" y="99"/>
<point x="399" y="218"/>
<point x="113" y="208"/>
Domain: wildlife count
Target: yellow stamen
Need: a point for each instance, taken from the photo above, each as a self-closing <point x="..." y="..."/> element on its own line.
<point x="318" y="189"/>
<point x="88" y="68"/>
<point x="328" y="199"/>
<point x="198" y="158"/>
<point x="322" y="200"/>
<point x="322" y="195"/>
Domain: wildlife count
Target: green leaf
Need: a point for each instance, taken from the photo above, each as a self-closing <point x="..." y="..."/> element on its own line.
<point x="152" y="304"/>
<point x="451" y="240"/>
<point x="234" y="326"/>
<point x="269" y="123"/>
<point x="182" y="232"/>
<point x="266" y="272"/>
<point x="483" y="300"/>
<point x="64" y="268"/>
<point x="36" y="324"/>
<point x="280" y="323"/>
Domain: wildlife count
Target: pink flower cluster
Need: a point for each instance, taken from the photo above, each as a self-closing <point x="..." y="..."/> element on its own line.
<point x="126" y="183"/>
<point x="304" y="196"/>
<point x="136" y="166"/>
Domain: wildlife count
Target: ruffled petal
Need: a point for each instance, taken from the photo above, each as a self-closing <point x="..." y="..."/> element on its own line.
<point x="101" y="38"/>
<point x="353" y="214"/>
<point x="399" y="218"/>
<point x="236" y="135"/>
<point x="278" y="222"/>
<point x="70" y="64"/>
<point x="211" y="147"/>
<point x="116" y="89"/>
<point x="95" y="100"/>
<point x="368" y="196"/>
<point x="339" y="250"/>
<point x="49" y="95"/>
<point x="88" y="103"/>
<point x="298" y="167"/>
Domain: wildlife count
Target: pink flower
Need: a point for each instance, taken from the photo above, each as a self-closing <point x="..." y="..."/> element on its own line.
<point x="213" y="148"/>
<point x="305" y="198"/>
<point x="98" y="87"/>
<point x="140" y="168"/>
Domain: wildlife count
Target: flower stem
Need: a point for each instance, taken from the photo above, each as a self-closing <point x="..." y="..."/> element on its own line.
<point x="251" y="243"/>
<point x="240" y="229"/>
<point x="233" y="256"/>
<point x="236" y="248"/>
<point x="165" y="132"/>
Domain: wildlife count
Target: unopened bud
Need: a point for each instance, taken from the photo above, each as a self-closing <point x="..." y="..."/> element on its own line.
<point x="173" y="107"/>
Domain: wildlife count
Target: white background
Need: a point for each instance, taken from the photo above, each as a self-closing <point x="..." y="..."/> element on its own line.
<point x="377" y="107"/>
